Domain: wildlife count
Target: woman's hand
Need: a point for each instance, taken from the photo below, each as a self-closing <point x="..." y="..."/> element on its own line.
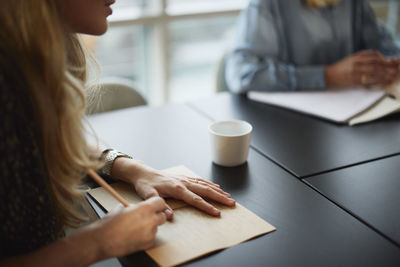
<point x="122" y="231"/>
<point x="149" y="183"/>
<point x="126" y="230"/>
<point x="189" y="189"/>
<point x="365" y="68"/>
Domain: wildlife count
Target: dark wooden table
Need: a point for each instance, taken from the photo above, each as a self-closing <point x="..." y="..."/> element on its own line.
<point x="311" y="230"/>
<point x="369" y="191"/>
<point x="305" y="145"/>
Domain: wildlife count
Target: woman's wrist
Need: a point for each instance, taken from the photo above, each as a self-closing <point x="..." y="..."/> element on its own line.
<point x="81" y="248"/>
<point x="329" y="75"/>
<point x="88" y="241"/>
<point x="129" y="170"/>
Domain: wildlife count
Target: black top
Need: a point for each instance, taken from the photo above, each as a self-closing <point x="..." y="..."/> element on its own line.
<point x="27" y="215"/>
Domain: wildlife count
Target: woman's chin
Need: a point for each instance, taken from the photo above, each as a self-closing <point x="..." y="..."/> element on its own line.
<point x="99" y="29"/>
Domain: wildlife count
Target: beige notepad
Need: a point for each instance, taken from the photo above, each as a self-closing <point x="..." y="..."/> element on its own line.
<point x="192" y="233"/>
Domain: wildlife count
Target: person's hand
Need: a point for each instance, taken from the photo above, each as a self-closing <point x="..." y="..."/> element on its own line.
<point x="189" y="189"/>
<point x="149" y="183"/>
<point x="363" y="69"/>
<point x="126" y="230"/>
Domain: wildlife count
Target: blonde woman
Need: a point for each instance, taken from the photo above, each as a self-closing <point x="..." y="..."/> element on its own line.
<point x="294" y="45"/>
<point x="43" y="152"/>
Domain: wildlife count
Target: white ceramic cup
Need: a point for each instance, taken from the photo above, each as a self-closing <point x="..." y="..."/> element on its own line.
<point x="230" y="142"/>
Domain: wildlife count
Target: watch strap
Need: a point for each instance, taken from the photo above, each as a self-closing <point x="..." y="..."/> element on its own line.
<point x="109" y="156"/>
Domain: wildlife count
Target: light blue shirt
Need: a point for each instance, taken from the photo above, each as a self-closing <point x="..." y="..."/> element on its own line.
<point x="284" y="45"/>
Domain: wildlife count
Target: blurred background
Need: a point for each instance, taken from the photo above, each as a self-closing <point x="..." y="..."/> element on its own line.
<point x="171" y="49"/>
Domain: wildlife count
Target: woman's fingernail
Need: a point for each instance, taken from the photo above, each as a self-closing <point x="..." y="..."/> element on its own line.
<point x="217" y="211"/>
<point x="169" y="213"/>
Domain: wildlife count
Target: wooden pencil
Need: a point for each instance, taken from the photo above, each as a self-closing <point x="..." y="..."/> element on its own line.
<point x="106" y="186"/>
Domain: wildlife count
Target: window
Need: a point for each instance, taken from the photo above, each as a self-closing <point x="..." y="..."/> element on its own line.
<point x="196" y="46"/>
<point x="387" y="13"/>
<point x="169" y="48"/>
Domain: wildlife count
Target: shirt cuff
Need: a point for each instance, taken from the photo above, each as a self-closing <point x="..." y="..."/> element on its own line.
<point x="310" y="78"/>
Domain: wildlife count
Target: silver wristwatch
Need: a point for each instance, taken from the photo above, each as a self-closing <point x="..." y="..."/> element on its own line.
<point x="109" y="156"/>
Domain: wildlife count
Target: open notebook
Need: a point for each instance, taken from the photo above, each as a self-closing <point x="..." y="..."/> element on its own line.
<point x="348" y="106"/>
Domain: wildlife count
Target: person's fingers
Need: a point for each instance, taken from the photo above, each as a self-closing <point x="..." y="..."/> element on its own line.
<point x="215" y="186"/>
<point x="369" y="54"/>
<point x="157" y="203"/>
<point x="374" y="68"/>
<point x="210" y="193"/>
<point x="379" y="60"/>
<point x="368" y="62"/>
<point x="191" y="198"/>
<point x="161" y="218"/>
<point x="395" y="70"/>
<point x="394" y="59"/>
<point x="389" y="79"/>
<point x="367" y="74"/>
<point x="204" y="181"/>
<point x="389" y="76"/>
<point x="394" y="62"/>
<point x="169" y="213"/>
<point x="371" y="81"/>
<point x="361" y="79"/>
<point x="212" y="185"/>
<point x="369" y="68"/>
<point x="116" y="209"/>
<point x="376" y="80"/>
<point x="218" y="190"/>
<point x="146" y="191"/>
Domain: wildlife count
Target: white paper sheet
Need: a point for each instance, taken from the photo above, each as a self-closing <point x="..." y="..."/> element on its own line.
<point x="338" y="105"/>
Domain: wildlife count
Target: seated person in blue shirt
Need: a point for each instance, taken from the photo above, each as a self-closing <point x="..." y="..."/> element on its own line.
<point x="289" y="45"/>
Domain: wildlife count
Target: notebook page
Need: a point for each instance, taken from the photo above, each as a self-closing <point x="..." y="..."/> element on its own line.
<point x="338" y="105"/>
<point x="384" y="107"/>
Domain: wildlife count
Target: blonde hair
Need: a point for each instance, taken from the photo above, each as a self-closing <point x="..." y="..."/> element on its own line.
<point x="321" y="3"/>
<point x="52" y="62"/>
